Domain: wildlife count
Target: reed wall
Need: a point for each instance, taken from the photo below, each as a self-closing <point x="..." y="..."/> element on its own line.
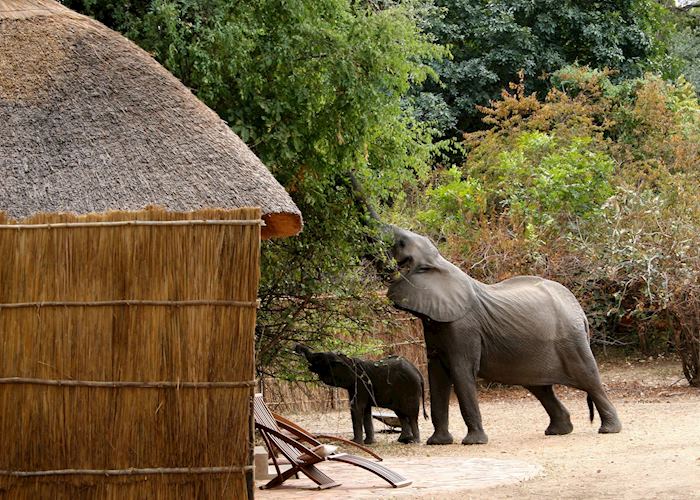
<point x="127" y="355"/>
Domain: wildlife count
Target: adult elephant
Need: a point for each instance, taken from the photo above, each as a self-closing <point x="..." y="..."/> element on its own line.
<point x="525" y="330"/>
<point x="392" y="382"/>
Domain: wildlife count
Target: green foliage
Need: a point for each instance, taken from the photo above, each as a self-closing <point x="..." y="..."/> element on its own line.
<point x="450" y="201"/>
<point x="684" y="45"/>
<point x="491" y="41"/>
<point x="534" y="177"/>
<point x="318" y="89"/>
<point x="314" y="87"/>
<point x="584" y="174"/>
<point x="540" y="180"/>
<point x="543" y="164"/>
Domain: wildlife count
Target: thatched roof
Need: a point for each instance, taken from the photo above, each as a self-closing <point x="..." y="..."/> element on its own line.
<point x="91" y="123"/>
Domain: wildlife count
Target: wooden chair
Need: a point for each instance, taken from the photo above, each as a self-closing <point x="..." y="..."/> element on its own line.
<point x="302" y="458"/>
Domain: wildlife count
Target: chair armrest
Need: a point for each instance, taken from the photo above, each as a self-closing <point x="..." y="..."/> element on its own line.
<point x="295" y="429"/>
<point x="292" y="442"/>
<point x="339" y="439"/>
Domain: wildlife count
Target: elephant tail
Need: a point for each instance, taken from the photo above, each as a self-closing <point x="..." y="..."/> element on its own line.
<point x="589" y="399"/>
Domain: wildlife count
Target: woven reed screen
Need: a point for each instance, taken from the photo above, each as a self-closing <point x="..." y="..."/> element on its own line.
<point x="126" y="355"/>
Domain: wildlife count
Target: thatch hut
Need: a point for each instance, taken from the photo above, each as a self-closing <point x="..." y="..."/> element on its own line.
<point x="130" y="225"/>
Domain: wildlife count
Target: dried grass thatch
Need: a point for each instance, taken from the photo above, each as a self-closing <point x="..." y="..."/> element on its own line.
<point x="91" y="123"/>
<point x="126" y="355"/>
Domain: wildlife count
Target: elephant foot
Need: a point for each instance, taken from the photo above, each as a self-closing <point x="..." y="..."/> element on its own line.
<point x="559" y="428"/>
<point x="475" y="437"/>
<point x="369" y="440"/>
<point x="610" y="427"/>
<point x="406" y="439"/>
<point x="440" y="438"/>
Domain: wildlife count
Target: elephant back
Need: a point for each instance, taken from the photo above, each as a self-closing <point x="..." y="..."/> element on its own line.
<point x="393" y="377"/>
<point x="522" y="305"/>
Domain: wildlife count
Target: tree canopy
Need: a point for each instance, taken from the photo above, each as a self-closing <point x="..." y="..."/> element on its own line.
<point x="491" y="41"/>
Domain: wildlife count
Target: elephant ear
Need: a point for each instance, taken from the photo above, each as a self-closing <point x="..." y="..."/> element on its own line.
<point x="443" y="293"/>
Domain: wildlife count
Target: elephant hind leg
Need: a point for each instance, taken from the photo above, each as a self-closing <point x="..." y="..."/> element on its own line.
<point x="559" y="417"/>
<point x="610" y="423"/>
<point x="406" y="435"/>
<point x="588" y="380"/>
<point x="414" y="428"/>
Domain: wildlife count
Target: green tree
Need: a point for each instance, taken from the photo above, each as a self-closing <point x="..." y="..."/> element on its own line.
<point x="492" y="40"/>
<point x="317" y="88"/>
<point x="685" y="43"/>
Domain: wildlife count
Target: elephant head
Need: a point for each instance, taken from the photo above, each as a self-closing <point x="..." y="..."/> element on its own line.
<point x="332" y="369"/>
<point x="426" y="283"/>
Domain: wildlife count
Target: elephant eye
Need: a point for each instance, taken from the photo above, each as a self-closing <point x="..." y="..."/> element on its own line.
<point x="422" y="269"/>
<point x="402" y="243"/>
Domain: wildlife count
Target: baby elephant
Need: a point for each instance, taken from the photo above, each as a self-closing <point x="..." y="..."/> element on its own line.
<point x="392" y="383"/>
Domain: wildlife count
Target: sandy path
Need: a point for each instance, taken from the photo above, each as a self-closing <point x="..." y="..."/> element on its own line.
<point x="657" y="455"/>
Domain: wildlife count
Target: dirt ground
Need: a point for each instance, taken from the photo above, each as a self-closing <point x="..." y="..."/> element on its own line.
<point x="657" y="454"/>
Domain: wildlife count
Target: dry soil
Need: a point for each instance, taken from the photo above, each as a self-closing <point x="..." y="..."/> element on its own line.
<point x="657" y="454"/>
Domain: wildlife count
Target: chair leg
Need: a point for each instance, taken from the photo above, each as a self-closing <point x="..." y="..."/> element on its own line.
<point x="280" y="478"/>
<point x="313" y="473"/>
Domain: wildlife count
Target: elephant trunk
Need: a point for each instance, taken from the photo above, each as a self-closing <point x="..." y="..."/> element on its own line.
<point x="302" y="350"/>
<point x="362" y="198"/>
<point x="383" y="234"/>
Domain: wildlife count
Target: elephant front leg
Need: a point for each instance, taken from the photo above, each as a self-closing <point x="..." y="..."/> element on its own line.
<point x="440" y="390"/>
<point x="357" y="415"/>
<point x="465" y="387"/>
<point x="369" y="425"/>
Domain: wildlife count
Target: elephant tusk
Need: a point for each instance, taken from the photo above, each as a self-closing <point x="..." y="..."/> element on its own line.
<point x="410" y="282"/>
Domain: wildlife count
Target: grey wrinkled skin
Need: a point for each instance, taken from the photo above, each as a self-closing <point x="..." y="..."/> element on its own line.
<point x="392" y="383"/>
<point x="525" y="330"/>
